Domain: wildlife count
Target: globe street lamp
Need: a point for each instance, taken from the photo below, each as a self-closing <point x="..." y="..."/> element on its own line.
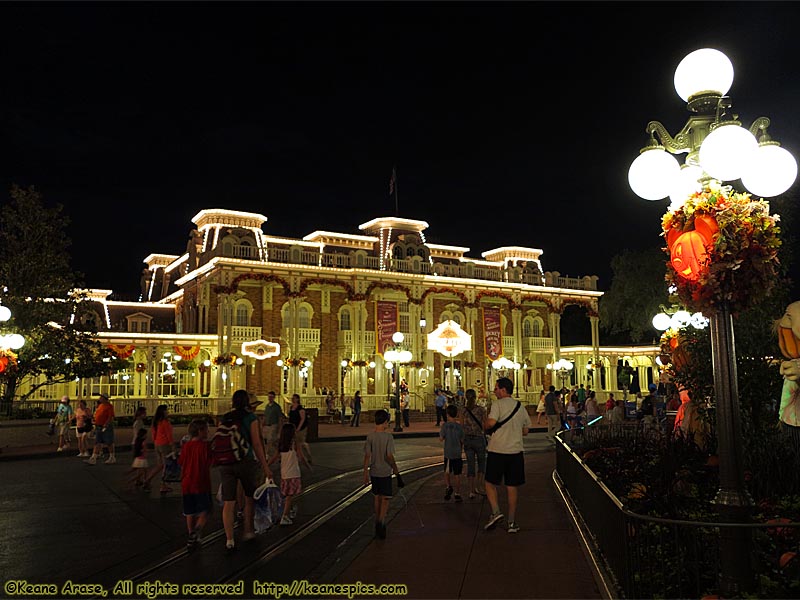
<point x="396" y="356"/>
<point x="717" y="149"/>
<point x="562" y="368"/>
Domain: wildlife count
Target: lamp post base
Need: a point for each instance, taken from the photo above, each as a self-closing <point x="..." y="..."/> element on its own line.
<point x="397" y="426"/>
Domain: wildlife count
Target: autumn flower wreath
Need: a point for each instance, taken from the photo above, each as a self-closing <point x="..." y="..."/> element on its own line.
<point x="723" y="249"/>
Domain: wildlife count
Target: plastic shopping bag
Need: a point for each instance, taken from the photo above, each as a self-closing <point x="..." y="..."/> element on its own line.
<point x="172" y="470"/>
<point x="268" y="506"/>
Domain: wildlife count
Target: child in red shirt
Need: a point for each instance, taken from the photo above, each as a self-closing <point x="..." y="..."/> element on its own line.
<point x="195" y="462"/>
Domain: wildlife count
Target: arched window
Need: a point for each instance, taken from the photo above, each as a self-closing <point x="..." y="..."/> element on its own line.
<point x="242" y="315"/>
<point x="397" y="252"/>
<point x="303" y="317"/>
<point x="410" y="251"/>
<point x="537" y="327"/>
<point x="421" y="252"/>
<point x="527" y="330"/>
<point x="344" y="320"/>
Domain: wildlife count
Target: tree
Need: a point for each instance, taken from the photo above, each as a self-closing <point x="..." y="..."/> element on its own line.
<point x="40" y="289"/>
<point x="637" y="292"/>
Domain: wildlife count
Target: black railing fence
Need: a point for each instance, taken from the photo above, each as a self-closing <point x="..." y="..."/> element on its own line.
<point x="651" y="557"/>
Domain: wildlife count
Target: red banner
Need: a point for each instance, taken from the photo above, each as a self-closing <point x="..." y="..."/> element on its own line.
<point x="186" y="352"/>
<point x="492" y="333"/>
<point x="386" y="323"/>
<point x="122" y="351"/>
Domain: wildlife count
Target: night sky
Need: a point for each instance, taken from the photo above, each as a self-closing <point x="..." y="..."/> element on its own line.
<point x="508" y="123"/>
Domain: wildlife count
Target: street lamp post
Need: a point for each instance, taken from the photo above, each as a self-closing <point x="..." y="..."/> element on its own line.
<point x="562" y="368"/>
<point x="717" y="149"/>
<point x="9" y="343"/>
<point x="395" y="357"/>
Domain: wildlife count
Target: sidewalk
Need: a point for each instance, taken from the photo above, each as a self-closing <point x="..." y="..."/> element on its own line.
<point x="439" y="549"/>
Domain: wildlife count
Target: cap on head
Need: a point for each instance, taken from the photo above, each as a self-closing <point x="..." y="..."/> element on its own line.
<point x="104" y="396"/>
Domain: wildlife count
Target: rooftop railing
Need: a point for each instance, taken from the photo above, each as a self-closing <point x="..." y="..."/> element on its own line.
<point x="415" y="265"/>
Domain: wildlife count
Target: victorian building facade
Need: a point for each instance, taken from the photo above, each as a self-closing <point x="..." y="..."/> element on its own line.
<point x="244" y="308"/>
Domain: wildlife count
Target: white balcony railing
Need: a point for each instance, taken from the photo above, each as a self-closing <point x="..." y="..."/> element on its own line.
<point x="245" y="334"/>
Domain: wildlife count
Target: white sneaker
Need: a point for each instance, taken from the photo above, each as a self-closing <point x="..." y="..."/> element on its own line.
<point x="286" y="521"/>
<point x="92" y="460"/>
<point x="60" y="449"/>
<point x="111" y="460"/>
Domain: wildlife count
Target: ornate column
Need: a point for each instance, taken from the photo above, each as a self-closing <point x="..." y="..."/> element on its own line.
<point x="555" y="331"/>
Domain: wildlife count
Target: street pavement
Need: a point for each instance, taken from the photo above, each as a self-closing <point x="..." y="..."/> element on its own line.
<point x="65" y="520"/>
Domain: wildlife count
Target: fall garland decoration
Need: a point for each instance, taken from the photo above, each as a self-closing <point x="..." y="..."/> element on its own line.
<point x="738" y="263"/>
<point x="8" y="361"/>
<point x="225" y="359"/>
<point x="587" y="304"/>
<point x="231" y="289"/>
<point x="141" y="367"/>
<point x="462" y="296"/>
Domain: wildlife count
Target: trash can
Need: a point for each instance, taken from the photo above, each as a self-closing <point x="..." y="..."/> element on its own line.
<point x="312" y="416"/>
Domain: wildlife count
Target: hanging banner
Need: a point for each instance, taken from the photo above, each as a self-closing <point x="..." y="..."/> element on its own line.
<point x="186" y="352"/>
<point x="492" y="333"/>
<point x="386" y="323"/>
<point x="122" y="351"/>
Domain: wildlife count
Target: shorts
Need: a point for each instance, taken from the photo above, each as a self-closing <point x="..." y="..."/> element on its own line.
<point x="291" y="486"/>
<point x="454" y="465"/>
<point x="196" y="504"/>
<point x="162" y="451"/>
<point x="381" y="486"/>
<point x="140" y="463"/>
<point x="508" y="469"/>
<point x="248" y="472"/>
<point x="105" y="435"/>
<point x="271" y="433"/>
<point x="63" y="428"/>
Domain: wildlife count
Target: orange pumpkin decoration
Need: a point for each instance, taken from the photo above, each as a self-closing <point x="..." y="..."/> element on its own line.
<point x="786" y="559"/>
<point x="688" y="250"/>
<point x="790" y="345"/>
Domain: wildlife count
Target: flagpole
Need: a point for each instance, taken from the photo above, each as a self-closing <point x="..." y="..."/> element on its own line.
<point x="396" y="202"/>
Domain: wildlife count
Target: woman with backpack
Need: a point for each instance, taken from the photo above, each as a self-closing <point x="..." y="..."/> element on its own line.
<point x="238" y="449"/>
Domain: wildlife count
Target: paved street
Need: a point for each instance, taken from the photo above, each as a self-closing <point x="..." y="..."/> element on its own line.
<point x="65" y="520"/>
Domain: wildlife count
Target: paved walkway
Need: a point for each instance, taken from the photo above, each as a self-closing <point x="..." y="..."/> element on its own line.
<point x="439" y="549"/>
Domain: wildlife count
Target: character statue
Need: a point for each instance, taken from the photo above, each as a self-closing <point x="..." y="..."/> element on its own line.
<point x="788" y="329"/>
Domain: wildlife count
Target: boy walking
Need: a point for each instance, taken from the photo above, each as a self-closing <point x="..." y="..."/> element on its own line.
<point x="452" y="434"/>
<point x="195" y="462"/>
<point x="379" y="464"/>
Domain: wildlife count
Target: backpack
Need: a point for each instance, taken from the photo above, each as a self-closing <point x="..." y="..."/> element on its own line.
<point x="229" y="444"/>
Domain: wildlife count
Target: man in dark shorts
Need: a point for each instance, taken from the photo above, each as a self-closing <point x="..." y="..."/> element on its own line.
<point x="505" y="464"/>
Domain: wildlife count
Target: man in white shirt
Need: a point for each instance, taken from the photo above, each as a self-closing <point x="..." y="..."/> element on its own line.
<point x="505" y="463"/>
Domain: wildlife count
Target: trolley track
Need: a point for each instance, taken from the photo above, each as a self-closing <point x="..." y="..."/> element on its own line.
<point x="250" y="556"/>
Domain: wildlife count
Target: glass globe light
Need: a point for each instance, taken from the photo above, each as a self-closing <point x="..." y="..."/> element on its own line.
<point x="307" y="363"/>
<point x="389" y="365"/>
<point x="372" y="364"/>
<point x="652" y="173"/>
<point x="405" y="356"/>
<point x="398" y="337"/>
<point x="684" y="185"/>
<point x="15" y="341"/>
<point x="704" y="71"/>
<point x="5" y="313"/>
<point x="727" y="151"/>
<point x="278" y="362"/>
<point x="698" y="321"/>
<point x="344" y="363"/>
<point x="771" y="172"/>
<point x="680" y="319"/>
<point x="662" y="321"/>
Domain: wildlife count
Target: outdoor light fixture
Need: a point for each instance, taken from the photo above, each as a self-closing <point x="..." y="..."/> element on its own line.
<point x="394" y="357"/>
<point x="717" y="149"/>
<point x="562" y="367"/>
<point x="715" y="143"/>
